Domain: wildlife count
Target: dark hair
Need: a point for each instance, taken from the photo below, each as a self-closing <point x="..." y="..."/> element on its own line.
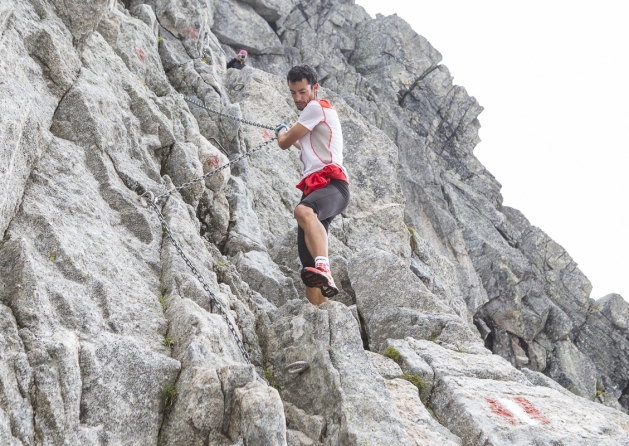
<point x="299" y="72"/>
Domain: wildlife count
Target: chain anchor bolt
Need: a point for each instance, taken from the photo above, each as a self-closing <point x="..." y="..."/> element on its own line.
<point x="147" y="198"/>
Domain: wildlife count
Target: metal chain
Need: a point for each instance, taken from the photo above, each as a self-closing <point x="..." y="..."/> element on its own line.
<point x="152" y="202"/>
<point x="199" y="277"/>
<point x="148" y="196"/>
<point x="244" y="121"/>
<point x="203" y="106"/>
<point x="212" y="172"/>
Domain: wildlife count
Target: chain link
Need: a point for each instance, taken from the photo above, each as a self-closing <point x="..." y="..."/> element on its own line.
<point x="212" y="110"/>
<point x="212" y="172"/>
<point x="199" y="277"/>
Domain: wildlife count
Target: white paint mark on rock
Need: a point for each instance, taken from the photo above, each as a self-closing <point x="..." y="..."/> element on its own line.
<point x="518" y="412"/>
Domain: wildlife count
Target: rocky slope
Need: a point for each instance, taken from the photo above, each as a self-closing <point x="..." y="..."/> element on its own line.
<point x="107" y="337"/>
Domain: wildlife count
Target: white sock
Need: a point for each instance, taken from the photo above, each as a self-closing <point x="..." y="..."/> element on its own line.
<point x="322" y="260"/>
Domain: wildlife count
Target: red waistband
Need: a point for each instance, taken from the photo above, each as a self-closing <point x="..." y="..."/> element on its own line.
<point x="321" y="178"/>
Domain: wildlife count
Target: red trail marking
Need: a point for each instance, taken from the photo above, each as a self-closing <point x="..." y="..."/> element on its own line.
<point x="531" y="410"/>
<point x="265" y="134"/>
<point x="213" y="162"/>
<point x="501" y="410"/>
<point x="141" y="55"/>
<point x="192" y="32"/>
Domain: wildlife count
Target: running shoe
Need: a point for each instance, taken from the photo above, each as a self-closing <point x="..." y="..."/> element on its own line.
<point x="320" y="277"/>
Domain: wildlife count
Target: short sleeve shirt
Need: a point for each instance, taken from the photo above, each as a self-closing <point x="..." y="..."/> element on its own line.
<point x="323" y="144"/>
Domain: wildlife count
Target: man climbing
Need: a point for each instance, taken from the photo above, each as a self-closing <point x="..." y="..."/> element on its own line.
<point x="324" y="182"/>
<point x="238" y="62"/>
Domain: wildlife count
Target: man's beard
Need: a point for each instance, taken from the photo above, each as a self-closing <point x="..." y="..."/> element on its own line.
<point x="301" y="107"/>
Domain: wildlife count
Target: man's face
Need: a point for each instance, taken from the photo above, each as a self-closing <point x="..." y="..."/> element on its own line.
<point x="242" y="57"/>
<point x="302" y="92"/>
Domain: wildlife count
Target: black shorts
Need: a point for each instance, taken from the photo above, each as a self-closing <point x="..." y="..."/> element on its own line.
<point x="327" y="202"/>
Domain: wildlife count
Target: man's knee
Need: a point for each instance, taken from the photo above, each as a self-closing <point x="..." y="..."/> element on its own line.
<point x="304" y="213"/>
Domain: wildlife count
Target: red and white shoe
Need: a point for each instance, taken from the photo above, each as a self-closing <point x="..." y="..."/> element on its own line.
<point x="320" y="277"/>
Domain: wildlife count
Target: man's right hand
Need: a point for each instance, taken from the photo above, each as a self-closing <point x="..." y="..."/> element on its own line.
<point x="290" y="136"/>
<point x="279" y="128"/>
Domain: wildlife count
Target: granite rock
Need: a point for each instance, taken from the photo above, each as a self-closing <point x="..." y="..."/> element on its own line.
<point x="106" y="334"/>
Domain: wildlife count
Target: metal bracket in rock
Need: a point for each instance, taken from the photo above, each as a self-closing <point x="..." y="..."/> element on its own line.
<point x="211" y="138"/>
<point x="297" y="367"/>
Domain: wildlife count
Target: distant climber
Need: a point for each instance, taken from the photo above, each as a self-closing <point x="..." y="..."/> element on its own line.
<point x="324" y="181"/>
<point x="238" y="62"/>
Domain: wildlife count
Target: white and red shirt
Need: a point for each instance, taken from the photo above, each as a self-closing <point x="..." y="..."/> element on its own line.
<point x="321" y="147"/>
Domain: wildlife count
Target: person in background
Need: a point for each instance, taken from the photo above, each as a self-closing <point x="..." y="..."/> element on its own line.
<point x="238" y="62"/>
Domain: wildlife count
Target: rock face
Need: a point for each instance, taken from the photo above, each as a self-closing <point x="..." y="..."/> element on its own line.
<point x="106" y="335"/>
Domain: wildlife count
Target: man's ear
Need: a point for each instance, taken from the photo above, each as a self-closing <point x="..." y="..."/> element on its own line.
<point x="315" y="88"/>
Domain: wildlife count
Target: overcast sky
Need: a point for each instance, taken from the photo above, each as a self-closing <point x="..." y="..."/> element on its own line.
<point x="553" y="77"/>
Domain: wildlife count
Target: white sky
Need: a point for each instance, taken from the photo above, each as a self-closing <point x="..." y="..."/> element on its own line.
<point x="553" y="77"/>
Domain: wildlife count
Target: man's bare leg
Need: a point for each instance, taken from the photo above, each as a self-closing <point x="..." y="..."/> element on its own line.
<point x="317" y="243"/>
<point x="314" y="296"/>
<point x="314" y="231"/>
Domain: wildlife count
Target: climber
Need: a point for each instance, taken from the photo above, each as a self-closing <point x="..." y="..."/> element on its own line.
<point x="317" y="134"/>
<point x="238" y="62"/>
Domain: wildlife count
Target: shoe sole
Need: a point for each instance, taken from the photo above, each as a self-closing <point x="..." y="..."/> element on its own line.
<point x="314" y="279"/>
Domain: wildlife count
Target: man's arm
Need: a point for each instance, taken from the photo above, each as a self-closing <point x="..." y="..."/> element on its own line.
<point x="285" y="138"/>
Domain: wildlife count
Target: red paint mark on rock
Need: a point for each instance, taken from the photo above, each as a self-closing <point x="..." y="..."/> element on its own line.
<point x="192" y="32"/>
<point x="265" y="134"/>
<point x="531" y="410"/>
<point x="141" y="55"/>
<point x="213" y="162"/>
<point x="501" y="410"/>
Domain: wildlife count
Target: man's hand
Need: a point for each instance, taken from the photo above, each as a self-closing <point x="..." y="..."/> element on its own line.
<point x="280" y="127"/>
<point x="287" y="138"/>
